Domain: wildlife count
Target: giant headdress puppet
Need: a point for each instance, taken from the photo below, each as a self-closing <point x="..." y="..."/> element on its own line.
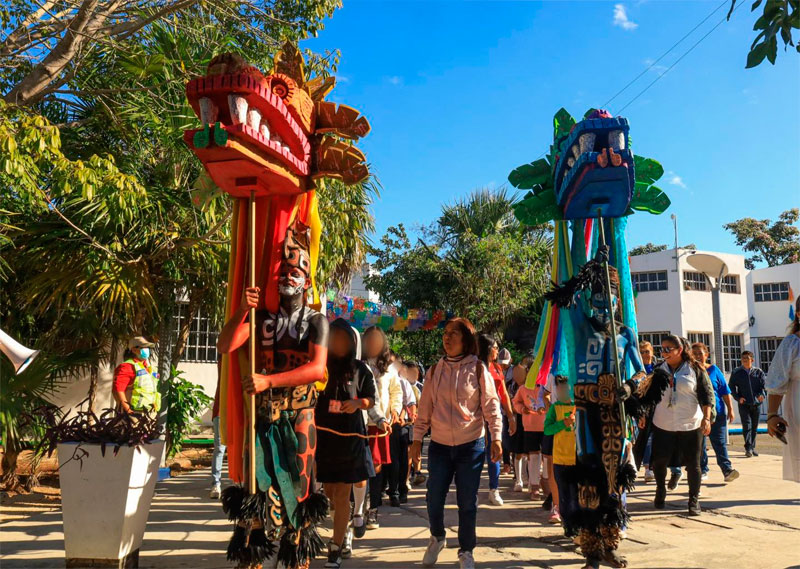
<point x="267" y="141"/>
<point x="588" y="184"/>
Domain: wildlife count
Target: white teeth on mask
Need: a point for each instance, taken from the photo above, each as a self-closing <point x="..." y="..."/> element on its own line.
<point x="238" y="106"/>
<point x="264" y="129"/>
<point x="570" y="162"/>
<point x="616" y="140"/>
<point x="586" y="141"/>
<point x="575" y="151"/>
<point x="254" y="119"/>
<point x="208" y="111"/>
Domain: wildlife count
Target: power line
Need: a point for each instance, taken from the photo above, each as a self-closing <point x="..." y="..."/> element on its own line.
<point x="663" y="55"/>
<point x="687" y="52"/>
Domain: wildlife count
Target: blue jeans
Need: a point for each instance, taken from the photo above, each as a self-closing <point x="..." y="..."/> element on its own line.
<point x="465" y="463"/>
<point x="718" y="436"/>
<point x="492" y="467"/>
<point x="219" y="453"/>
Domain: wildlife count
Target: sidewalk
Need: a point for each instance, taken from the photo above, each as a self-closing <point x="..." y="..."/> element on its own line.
<point x="753" y="523"/>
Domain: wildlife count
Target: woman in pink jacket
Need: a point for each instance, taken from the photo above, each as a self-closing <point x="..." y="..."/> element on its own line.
<point x="458" y="398"/>
<point x="531" y="405"/>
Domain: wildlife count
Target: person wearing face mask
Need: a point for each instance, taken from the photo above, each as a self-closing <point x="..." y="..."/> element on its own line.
<point x="135" y="381"/>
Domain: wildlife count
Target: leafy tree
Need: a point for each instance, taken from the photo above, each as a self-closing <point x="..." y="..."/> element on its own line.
<point x="45" y="44"/>
<point x="775" y="243"/>
<point x="106" y="217"/>
<point x="778" y="17"/>
<point x="647" y="248"/>
<point x="474" y="261"/>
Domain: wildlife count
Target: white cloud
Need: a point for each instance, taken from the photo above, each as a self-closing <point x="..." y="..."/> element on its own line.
<point x="395" y="80"/>
<point x="655" y="68"/>
<point x="674" y="180"/>
<point x="621" y="18"/>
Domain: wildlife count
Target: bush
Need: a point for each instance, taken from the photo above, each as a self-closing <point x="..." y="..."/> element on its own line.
<point x="186" y="401"/>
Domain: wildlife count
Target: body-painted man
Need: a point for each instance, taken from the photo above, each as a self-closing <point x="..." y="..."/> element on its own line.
<point x="291" y="351"/>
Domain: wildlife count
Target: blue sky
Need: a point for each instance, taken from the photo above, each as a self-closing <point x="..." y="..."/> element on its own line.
<point x="460" y="93"/>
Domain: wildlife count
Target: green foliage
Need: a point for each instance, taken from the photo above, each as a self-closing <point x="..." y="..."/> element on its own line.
<point x="476" y="261"/>
<point x="774" y="243"/>
<point x="647" y="248"/>
<point x="424" y="346"/>
<point x="21" y="395"/>
<point x="347" y="209"/>
<point x="778" y="17"/>
<point x="187" y="401"/>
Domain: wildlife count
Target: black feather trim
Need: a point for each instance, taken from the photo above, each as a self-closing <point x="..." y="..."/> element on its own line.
<point x="241" y="506"/>
<point x="591" y="277"/>
<point x="249" y="546"/>
<point x="314" y="509"/>
<point x="231" y="499"/>
<point x="626" y="476"/>
<point x="294" y="551"/>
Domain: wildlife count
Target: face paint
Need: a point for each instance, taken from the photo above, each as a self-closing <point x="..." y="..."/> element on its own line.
<point x="292" y="283"/>
<point x="144" y="353"/>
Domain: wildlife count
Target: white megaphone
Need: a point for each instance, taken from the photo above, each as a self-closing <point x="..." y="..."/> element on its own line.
<point x="19" y="355"/>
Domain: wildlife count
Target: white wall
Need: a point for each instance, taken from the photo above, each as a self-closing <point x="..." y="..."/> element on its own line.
<point x="772" y="318"/>
<point x="652" y="314"/>
<point x="75" y="391"/>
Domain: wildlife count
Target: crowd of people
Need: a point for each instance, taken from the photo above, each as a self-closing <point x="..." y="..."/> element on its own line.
<point x="474" y="407"/>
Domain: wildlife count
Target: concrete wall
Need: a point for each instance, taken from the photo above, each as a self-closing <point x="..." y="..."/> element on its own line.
<point x="772" y="318"/>
<point x="682" y="311"/>
<point x="75" y="391"/>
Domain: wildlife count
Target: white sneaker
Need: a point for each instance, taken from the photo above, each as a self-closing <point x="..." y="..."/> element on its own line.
<point x="216" y="490"/>
<point x="435" y="547"/>
<point x="518" y="486"/>
<point x="704" y="476"/>
<point x="465" y="560"/>
<point x="347" y="545"/>
<point x="649" y="476"/>
<point x="494" y="497"/>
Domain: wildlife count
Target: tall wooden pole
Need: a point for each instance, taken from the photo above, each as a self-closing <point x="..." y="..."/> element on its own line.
<point x="615" y="348"/>
<point x="251" y="399"/>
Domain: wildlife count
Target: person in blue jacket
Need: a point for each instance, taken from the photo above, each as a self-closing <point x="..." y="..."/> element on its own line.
<point x="719" y="428"/>
<point x="747" y="387"/>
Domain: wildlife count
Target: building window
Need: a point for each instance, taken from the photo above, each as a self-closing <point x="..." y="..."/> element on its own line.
<point x="768" y="292"/>
<point x="201" y="345"/>
<point x="653" y="280"/>
<point x="654" y="338"/>
<point x="703" y="338"/>
<point x="730" y="284"/>
<point x="731" y="351"/>
<point x="693" y="280"/>
<point x="766" y="351"/>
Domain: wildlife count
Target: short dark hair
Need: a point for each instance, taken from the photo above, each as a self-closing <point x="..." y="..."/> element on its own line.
<point x="468" y="335"/>
<point x="561" y="379"/>
<point x="747" y="353"/>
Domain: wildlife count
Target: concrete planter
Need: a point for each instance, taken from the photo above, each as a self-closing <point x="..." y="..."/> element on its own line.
<point x="105" y="501"/>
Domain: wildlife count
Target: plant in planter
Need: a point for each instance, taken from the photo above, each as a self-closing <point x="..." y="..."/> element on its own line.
<point x="108" y="467"/>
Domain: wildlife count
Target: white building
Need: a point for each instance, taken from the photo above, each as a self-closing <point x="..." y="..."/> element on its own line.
<point x="672" y="297"/>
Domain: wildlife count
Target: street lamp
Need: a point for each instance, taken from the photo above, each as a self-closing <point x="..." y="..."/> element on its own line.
<point x="714" y="270"/>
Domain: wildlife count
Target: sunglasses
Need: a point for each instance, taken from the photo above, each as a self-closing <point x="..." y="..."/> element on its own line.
<point x="667" y="350"/>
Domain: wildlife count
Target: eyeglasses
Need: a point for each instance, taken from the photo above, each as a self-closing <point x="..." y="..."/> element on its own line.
<point x="667" y="350"/>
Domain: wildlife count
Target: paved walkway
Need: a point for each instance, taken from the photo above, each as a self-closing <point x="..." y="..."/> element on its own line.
<point x="753" y="523"/>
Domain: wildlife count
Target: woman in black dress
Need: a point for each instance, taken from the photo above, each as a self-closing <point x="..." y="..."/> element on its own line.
<point x="343" y="459"/>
